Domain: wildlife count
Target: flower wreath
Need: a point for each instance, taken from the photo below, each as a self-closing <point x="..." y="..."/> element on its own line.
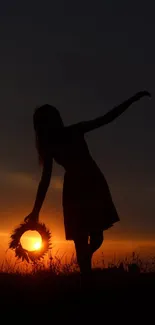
<point x="24" y="254"/>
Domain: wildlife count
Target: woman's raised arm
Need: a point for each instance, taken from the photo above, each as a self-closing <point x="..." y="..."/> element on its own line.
<point x="88" y="126"/>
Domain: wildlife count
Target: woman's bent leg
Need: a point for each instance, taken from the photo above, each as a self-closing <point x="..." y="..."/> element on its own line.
<point x="96" y="240"/>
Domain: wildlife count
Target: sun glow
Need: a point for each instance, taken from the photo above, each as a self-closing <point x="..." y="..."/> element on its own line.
<point x="31" y="240"/>
<point x="37" y="245"/>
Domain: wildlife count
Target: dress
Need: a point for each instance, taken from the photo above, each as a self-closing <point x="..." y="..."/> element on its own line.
<point x="87" y="201"/>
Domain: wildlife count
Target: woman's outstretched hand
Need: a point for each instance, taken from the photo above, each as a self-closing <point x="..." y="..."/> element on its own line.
<point x="32" y="217"/>
<point x="141" y="94"/>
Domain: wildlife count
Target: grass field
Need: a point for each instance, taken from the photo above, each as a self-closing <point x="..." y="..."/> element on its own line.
<point x="129" y="281"/>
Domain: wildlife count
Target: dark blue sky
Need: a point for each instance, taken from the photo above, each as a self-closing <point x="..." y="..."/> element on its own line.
<point x="84" y="58"/>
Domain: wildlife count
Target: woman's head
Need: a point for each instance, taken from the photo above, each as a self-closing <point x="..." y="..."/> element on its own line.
<point x="46" y="121"/>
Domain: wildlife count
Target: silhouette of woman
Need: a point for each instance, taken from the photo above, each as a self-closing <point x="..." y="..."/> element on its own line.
<point x="87" y="203"/>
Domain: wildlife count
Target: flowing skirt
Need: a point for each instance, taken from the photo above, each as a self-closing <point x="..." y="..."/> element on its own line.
<point x="87" y="203"/>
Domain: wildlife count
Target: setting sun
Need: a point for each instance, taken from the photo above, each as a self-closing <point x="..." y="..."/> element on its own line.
<point x="37" y="245"/>
<point x="31" y="240"/>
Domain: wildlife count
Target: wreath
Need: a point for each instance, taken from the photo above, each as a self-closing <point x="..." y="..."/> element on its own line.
<point x="24" y="254"/>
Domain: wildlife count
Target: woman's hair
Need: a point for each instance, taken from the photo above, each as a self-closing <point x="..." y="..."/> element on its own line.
<point x="46" y="120"/>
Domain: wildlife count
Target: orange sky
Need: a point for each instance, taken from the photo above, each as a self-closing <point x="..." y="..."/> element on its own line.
<point x="18" y="197"/>
<point x="111" y="250"/>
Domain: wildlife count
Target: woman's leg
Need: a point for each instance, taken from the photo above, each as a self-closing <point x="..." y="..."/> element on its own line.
<point x="83" y="253"/>
<point x="96" y="240"/>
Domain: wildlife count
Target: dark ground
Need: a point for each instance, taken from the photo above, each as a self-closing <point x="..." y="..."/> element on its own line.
<point x="105" y="287"/>
<point x="111" y="296"/>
